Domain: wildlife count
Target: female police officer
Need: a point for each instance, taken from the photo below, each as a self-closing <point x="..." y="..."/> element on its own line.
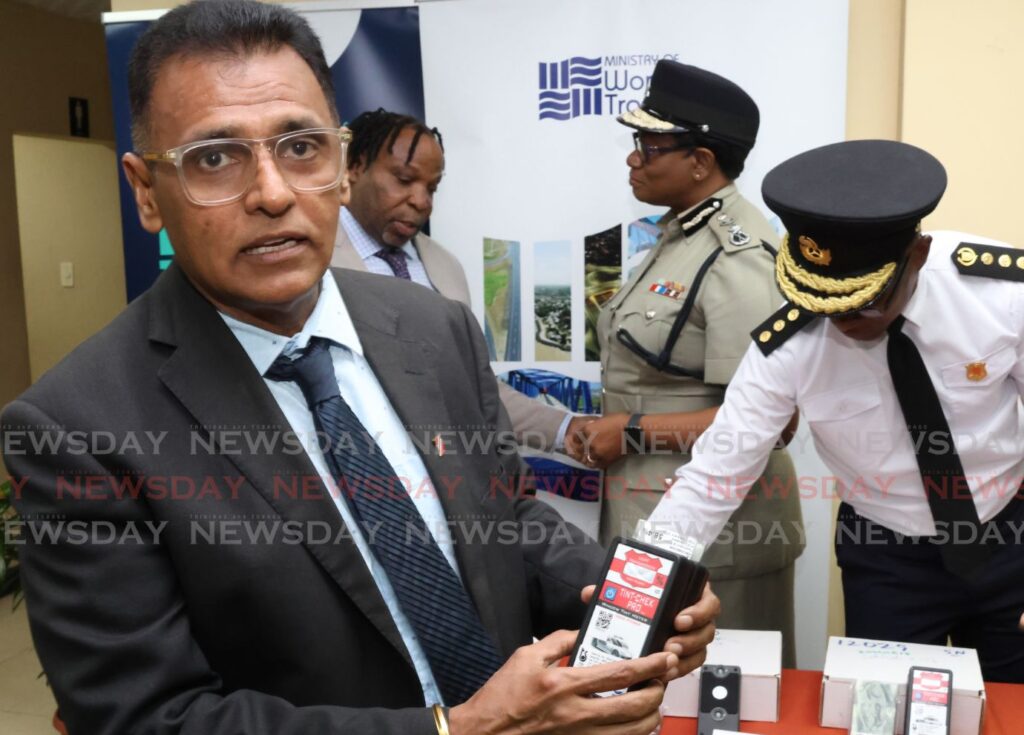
<point x="672" y="337"/>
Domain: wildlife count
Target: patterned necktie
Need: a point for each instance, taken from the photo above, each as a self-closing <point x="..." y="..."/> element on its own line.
<point x="945" y="484"/>
<point x="396" y="258"/>
<point x="462" y="655"/>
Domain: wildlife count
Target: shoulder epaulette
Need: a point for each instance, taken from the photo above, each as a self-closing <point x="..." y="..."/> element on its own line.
<point x="989" y="261"/>
<point x="731" y="235"/>
<point x="773" y="332"/>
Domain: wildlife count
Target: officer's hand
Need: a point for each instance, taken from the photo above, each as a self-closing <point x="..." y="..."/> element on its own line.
<point x="574" y="439"/>
<point x="531" y="695"/>
<point x="696" y="625"/>
<point x="603" y="439"/>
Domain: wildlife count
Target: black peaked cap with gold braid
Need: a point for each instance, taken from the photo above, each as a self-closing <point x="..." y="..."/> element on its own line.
<point x="989" y="261"/>
<point x="851" y="210"/>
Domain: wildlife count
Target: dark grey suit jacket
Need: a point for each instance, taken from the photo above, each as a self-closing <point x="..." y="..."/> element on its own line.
<point x="191" y="636"/>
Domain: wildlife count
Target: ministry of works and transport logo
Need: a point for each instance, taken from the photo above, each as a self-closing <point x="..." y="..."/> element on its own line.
<point x="583" y="85"/>
<point x="570" y="88"/>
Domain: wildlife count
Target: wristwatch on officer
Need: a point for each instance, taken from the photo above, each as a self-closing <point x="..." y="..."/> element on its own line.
<point x="634" y="435"/>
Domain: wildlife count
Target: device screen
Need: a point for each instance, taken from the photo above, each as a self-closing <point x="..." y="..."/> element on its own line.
<point x="929" y="696"/>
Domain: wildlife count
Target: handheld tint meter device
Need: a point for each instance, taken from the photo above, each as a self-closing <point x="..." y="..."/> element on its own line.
<point x="719" y="704"/>
<point x="642" y="589"/>
<point x="929" y="701"/>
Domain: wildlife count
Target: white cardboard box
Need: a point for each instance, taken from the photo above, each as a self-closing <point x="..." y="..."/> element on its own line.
<point x="758" y="653"/>
<point x="850" y="659"/>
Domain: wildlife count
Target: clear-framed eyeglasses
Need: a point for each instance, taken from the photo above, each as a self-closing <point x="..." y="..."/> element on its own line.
<point x="222" y="170"/>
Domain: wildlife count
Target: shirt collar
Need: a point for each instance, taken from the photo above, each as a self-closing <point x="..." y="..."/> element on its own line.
<point x="365" y="245"/>
<point x="329" y="320"/>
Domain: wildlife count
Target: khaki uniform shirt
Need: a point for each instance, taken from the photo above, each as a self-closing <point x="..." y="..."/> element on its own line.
<point x="737" y="293"/>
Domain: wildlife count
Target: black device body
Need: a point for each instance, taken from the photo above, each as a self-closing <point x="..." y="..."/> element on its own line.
<point x="626" y="603"/>
<point x="719" y="704"/>
<point x="929" y="701"/>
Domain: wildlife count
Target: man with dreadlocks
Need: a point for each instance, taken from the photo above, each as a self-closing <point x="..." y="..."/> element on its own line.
<point x="395" y="166"/>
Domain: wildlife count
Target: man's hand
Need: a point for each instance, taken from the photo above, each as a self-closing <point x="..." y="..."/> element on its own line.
<point x="696" y="626"/>
<point x="531" y="695"/>
<point x="575" y="445"/>
<point x="601" y="440"/>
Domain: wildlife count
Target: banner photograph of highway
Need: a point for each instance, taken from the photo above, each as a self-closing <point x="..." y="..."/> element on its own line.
<point x="502" y="322"/>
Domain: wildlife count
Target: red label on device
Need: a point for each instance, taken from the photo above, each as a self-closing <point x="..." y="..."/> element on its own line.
<point x="640" y="570"/>
<point x="931" y="687"/>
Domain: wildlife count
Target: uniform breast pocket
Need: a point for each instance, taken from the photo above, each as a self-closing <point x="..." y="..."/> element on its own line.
<point x="648" y="332"/>
<point x="840" y="418"/>
<point x="970" y="384"/>
<point x="649" y="325"/>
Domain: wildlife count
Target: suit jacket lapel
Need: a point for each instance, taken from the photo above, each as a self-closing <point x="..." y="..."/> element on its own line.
<point x="345" y="255"/>
<point x="433" y="264"/>
<point x="406" y="366"/>
<point x="213" y="377"/>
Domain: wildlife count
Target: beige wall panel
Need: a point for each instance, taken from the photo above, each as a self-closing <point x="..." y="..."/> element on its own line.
<point x="874" y="60"/>
<point x="962" y="102"/>
<point x="45" y="59"/>
<point x="67" y="213"/>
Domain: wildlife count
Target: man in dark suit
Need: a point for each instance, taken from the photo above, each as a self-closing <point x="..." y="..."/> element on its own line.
<point x="230" y="566"/>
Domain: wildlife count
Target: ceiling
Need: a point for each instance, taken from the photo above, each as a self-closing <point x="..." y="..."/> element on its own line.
<point x="80" y="9"/>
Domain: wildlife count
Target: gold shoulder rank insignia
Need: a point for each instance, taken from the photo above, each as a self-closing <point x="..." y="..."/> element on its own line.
<point x="780" y="326"/>
<point x="989" y="261"/>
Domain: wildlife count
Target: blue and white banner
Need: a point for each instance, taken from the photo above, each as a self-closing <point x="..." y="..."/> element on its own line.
<point x="526" y="93"/>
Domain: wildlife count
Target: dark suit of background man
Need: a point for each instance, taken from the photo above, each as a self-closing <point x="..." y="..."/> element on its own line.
<point x="210" y="631"/>
<point x="395" y="167"/>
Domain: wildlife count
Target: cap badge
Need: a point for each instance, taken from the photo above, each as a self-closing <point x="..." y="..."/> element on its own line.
<point x="976" y="371"/>
<point x="814" y="252"/>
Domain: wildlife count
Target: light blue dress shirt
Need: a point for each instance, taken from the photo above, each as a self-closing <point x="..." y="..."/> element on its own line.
<point x="362" y="391"/>
<point x="367" y="249"/>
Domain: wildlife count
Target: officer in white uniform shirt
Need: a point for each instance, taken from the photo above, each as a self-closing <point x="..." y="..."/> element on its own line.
<point x="903" y="352"/>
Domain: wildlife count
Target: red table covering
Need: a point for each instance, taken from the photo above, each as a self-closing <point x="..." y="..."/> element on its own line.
<point x="801" y="691"/>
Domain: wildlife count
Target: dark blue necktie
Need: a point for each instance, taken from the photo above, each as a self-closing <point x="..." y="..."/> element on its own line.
<point x="462" y="656"/>
<point x="396" y="258"/>
<point x="942" y="473"/>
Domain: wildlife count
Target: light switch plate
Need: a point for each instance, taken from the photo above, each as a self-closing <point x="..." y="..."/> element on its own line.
<point x="67" y="274"/>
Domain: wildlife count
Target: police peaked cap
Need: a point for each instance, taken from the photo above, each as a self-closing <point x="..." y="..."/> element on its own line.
<point x="683" y="98"/>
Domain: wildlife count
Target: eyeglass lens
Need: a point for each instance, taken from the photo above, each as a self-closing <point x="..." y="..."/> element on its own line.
<point x="217" y="170"/>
